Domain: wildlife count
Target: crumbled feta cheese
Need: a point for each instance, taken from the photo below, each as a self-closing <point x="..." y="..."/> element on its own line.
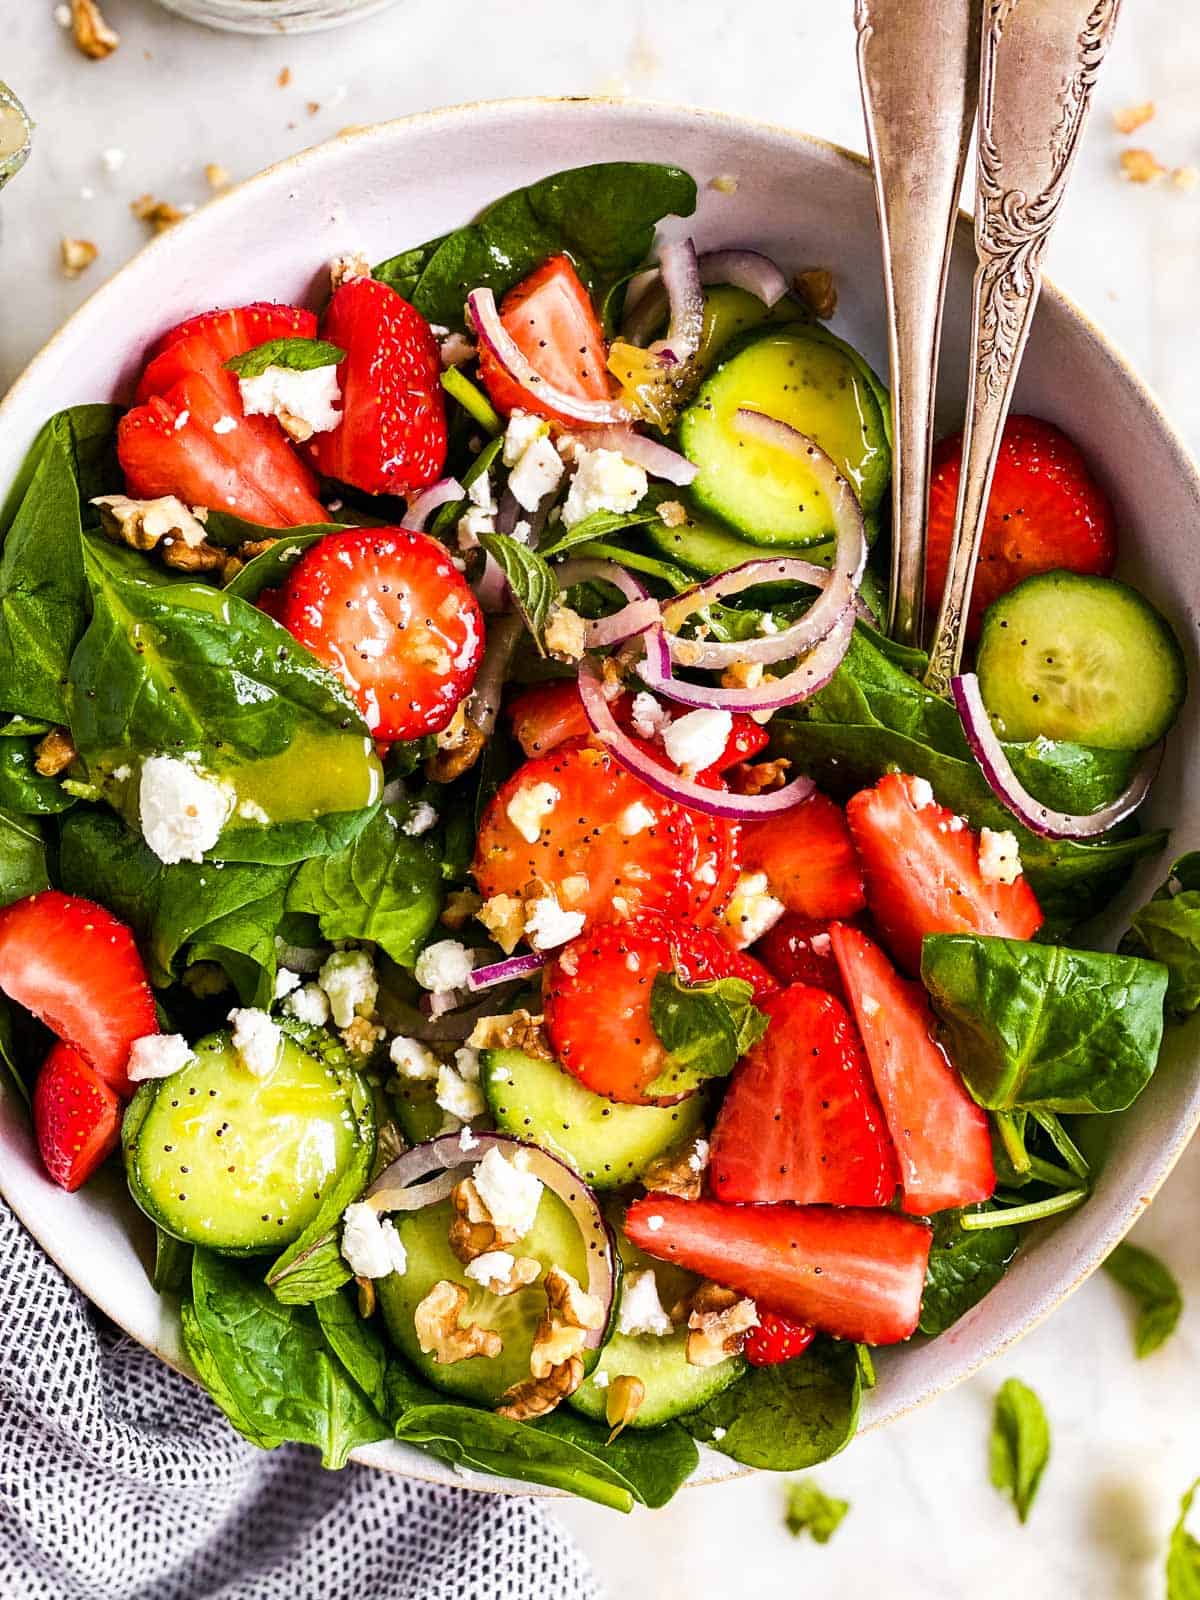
<point x="718" y="1434"/>
<point x="528" y="806"/>
<point x="673" y="513"/>
<point x="565" y="634"/>
<point x="305" y="402"/>
<point x="752" y="910"/>
<point x="697" y="739"/>
<point x="957" y="824"/>
<point x="698" y="1159"/>
<point x="523" y="428"/>
<point x="371" y="1247"/>
<point x="822" y="944"/>
<point x="654" y="1223"/>
<point x="224" y="425"/>
<point x="601" y="1380"/>
<point x="472" y="525"/>
<point x="412" y="1060"/>
<point x="635" y="819"/>
<point x="547" y="925"/>
<point x="603" y="481"/>
<point x="456" y="350"/>
<point x="285" y="981"/>
<point x="921" y="791"/>
<point x="422" y="819"/>
<point x="114" y="158"/>
<point x="444" y="966"/>
<point x="537" y="474"/>
<point x="466" y="1063"/>
<point x="257" y="1038"/>
<point x="351" y="987"/>
<point x="999" y="856"/>
<point x="455" y="1095"/>
<point x="308" y="1004"/>
<point x="510" y="1192"/>
<point x="479" y="493"/>
<point x="182" y="809"/>
<point x="870" y="1006"/>
<point x="467" y="1141"/>
<point x="492" y="1268"/>
<point x="649" y="717"/>
<point x="641" y="1309"/>
<point x="158" y="1055"/>
<point x="251" y="811"/>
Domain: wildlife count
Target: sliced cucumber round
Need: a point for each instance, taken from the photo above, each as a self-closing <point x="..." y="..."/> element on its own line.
<point x="607" y="1143"/>
<point x="417" y="1111"/>
<point x="815" y="382"/>
<point x="1083" y="659"/>
<point x="218" y="1157"/>
<point x="730" y="313"/>
<point x="706" y="547"/>
<point x="554" y="1240"/>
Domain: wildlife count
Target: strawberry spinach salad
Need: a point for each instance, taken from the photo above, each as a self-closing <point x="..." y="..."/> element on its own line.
<point x="559" y="985"/>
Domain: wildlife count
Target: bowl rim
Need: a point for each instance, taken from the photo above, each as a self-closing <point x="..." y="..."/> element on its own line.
<point x="620" y="107"/>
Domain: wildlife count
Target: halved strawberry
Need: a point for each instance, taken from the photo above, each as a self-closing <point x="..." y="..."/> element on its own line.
<point x="547" y="715"/>
<point x="798" y="950"/>
<point x="385" y="609"/>
<point x="800" y="1120"/>
<point x="808" y="857"/>
<point x="550" y="318"/>
<point x="206" y="342"/>
<point x="921" y="865"/>
<point x="776" y="1339"/>
<point x="76" y="967"/>
<point x="854" y="1274"/>
<point x="941" y="1136"/>
<point x="171" y="445"/>
<point x="1045" y="511"/>
<point x="76" y="1117"/>
<point x="392" y="436"/>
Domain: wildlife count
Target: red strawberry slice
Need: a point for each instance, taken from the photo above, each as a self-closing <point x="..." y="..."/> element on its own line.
<point x="776" y="1339"/>
<point x="854" y="1274"/>
<point x="808" y="857"/>
<point x="800" y="1120"/>
<point x="171" y="445"/>
<point x="921" y="865"/>
<point x="548" y="715"/>
<point x="385" y="609"/>
<point x="798" y="950"/>
<point x="206" y="342"/>
<point x="940" y="1135"/>
<point x="392" y="436"/>
<point x="76" y="1117"/>
<point x="1045" y="511"/>
<point x="550" y="318"/>
<point x="76" y="967"/>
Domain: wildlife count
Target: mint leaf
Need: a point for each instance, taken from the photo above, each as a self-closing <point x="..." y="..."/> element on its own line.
<point x="531" y="582"/>
<point x="703" y="1027"/>
<point x="598" y="525"/>
<point x="294" y="355"/>
<point x="1183" y="1556"/>
<point x="1020" y="1444"/>
<point x="811" y="1510"/>
<point x="1154" y="1290"/>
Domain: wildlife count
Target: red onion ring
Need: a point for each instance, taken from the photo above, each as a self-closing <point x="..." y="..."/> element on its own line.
<point x="658" y="459"/>
<point x="997" y="769"/>
<point x="642" y="612"/>
<point x="680" y="272"/>
<point x="494" y="336"/>
<point x="757" y="274"/>
<point x="491" y="586"/>
<point x="504" y="971"/>
<point x="417" y="513"/>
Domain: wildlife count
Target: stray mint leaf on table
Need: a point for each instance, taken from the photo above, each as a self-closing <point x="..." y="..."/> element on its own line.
<point x="1020" y="1444"/>
<point x="1183" y="1555"/>
<point x="1154" y="1289"/>
<point x="811" y="1510"/>
<point x="294" y="355"/>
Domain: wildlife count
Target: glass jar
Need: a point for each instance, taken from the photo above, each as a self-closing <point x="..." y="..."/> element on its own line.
<point x="274" y="16"/>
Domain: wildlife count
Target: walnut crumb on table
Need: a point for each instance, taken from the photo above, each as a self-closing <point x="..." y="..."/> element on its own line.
<point x="1130" y="118"/>
<point x="92" y="34"/>
<point x="1141" y="166"/>
<point x="76" y="256"/>
<point x="158" y="214"/>
<point x="216" y="176"/>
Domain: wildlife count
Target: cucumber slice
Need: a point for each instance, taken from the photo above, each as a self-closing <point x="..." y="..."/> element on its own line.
<point x="218" y="1157"/>
<point x="417" y="1111"/>
<point x="729" y="313"/>
<point x="1083" y="659"/>
<point x="607" y="1143"/>
<point x="811" y="380"/>
<point x="708" y="548"/>
<point x="553" y="1240"/>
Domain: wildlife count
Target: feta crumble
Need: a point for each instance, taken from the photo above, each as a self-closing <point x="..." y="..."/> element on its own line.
<point x="305" y="402"/>
<point x="422" y="819"/>
<point x="285" y="981"/>
<point x="466" y="1063"/>
<point x="641" y="1309"/>
<point x="697" y="739"/>
<point x="752" y="909"/>
<point x="635" y="819"/>
<point x="412" y="1060"/>
<point x="510" y="1193"/>
<point x="921" y="792"/>
<point x="182" y="810"/>
<point x="258" y="1040"/>
<point x="454" y="1094"/>
<point x="308" y="1004"/>
<point x="444" y="966"/>
<point x="523" y="428"/>
<point x="371" y="1247"/>
<point x="537" y="474"/>
<point x="350" y="985"/>
<point x="455" y="350"/>
<point x="528" y="806"/>
<point x="472" y="525"/>
<point x="224" y="425"/>
<point x="603" y="481"/>
<point x="158" y="1055"/>
<point x="494" y="1268"/>
<point x="547" y="925"/>
<point x="999" y="856"/>
<point x="649" y="717"/>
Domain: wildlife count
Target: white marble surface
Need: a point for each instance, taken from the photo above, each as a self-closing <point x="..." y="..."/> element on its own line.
<point x="925" y="1522"/>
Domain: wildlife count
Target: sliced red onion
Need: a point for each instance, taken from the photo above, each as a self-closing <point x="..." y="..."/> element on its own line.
<point x="491" y="586"/>
<point x="428" y="501"/>
<point x="997" y="769"/>
<point x="416" y="1196"/>
<point x="632" y="620"/>
<point x="504" y="971"/>
<point x="658" y="459"/>
<point x="496" y="339"/>
<point x="745" y="269"/>
<point x="681" y="279"/>
<point x="446" y="1155"/>
<point x="672" y="785"/>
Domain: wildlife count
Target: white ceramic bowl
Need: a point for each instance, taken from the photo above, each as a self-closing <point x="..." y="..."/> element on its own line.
<point x="808" y="204"/>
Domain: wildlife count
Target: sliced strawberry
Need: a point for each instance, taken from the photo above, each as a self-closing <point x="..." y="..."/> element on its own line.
<point x="941" y="1136"/>
<point x="808" y="857"/>
<point x="76" y="967"/>
<point x="76" y="1117"/>
<point x="800" y="1120"/>
<point x="717" y="865"/>
<point x="392" y="436"/>
<point x="854" y="1274"/>
<point x="596" y="996"/>
<point x="746" y="739"/>
<point x="385" y="609"/>
<point x="171" y="445"/>
<point x="1045" y="511"/>
<point x="776" y="1339"/>
<point x="548" y="715"/>
<point x="205" y="343"/>
<point x="550" y="318"/>
<point x="798" y="950"/>
<point x="921" y="865"/>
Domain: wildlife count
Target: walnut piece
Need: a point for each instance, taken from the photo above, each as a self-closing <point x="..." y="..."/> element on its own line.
<point x="459" y="746"/>
<point x="566" y="633"/>
<point x="535" y="1397"/>
<point x="718" y="1320"/>
<point x="504" y="918"/>
<point x="197" y="557"/>
<point x="473" y="1233"/>
<point x="362" y="1036"/>
<point x="1129" y="118"/>
<point x="54" y="753"/>
<point x="142" y="523"/>
<point x="438" y="1332"/>
<point x="679" y="1170"/>
<point x="345" y="268"/>
<point x="742" y="675"/>
<point x="673" y="513"/>
<point x="76" y="255"/>
<point x="759" y="777"/>
<point x="158" y="214"/>
<point x="92" y="34"/>
<point x="518" y="1030"/>
<point x="507" y="1274"/>
<point x="461" y="905"/>
<point x="622" y="1402"/>
<point x="818" y="289"/>
<point x="1141" y="166"/>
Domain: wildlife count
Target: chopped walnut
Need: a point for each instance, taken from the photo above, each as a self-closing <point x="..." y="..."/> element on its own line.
<point x="92" y="34"/>
<point x="719" y="1320"/>
<point x="216" y="176"/>
<point x="142" y="523"/>
<point x="1141" y="166"/>
<point x="461" y="905"/>
<point x="566" y="633"/>
<point x="622" y="1402"/>
<point x="507" y="1273"/>
<point x="54" y="753"/>
<point x="255" y="547"/>
<point x="472" y="1232"/>
<point x="571" y="1314"/>
<point x="345" y="268"/>
<point x="1129" y="118"/>
<point x="536" y="1397"/>
<point x="76" y="255"/>
<point x="459" y="746"/>
<point x="612" y="677"/>
<point x="742" y="675"/>
<point x="362" y="1037"/>
<point x="438" y="1331"/>
<point x="759" y="777"/>
<point x="679" y="1170"/>
<point x="517" y="1030"/>
<point x="285" y="77"/>
<point x="673" y="513"/>
<point x="196" y="558"/>
<point x="158" y="214"/>
<point x="504" y="918"/>
<point x="818" y="289"/>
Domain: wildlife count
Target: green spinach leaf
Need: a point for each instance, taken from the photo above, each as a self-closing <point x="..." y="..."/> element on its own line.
<point x="8" y="1050"/>
<point x="172" y="1263"/>
<point x="270" y="569"/>
<point x="654" y="1462"/>
<point x="1167" y="929"/>
<point x="1154" y="1290"/>
<point x="1039" y="1025"/>
<point x="531" y="583"/>
<point x="963" y="1267"/>
<point x="293" y="355"/>
<point x="22" y="857"/>
<point x="1019" y="1447"/>
<point x="811" y="1510"/>
<point x="356" y="1345"/>
<point x="790" y="1416"/>
<point x="704" y="1028"/>
<point x="23" y="788"/>
<point x="1183" y="1555"/>
<point x="313" y="1266"/>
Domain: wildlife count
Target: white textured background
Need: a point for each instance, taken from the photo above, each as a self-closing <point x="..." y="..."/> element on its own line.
<point x="925" y="1525"/>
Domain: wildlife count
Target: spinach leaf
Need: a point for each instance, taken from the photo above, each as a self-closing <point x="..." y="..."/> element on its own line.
<point x="531" y="583"/>
<point x="270" y="569"/>
<point x="356" y="1345"/>
<point x="787" y="1417"/>
<point x="22" y="787"/>
<point x="293" y="355"/>
<point x="8" y="1050"/>
<point x="811" y="1510"/>
<point x="43" y="597"/>
<point x="963" y="1267"/>
<point x="386" y="886"/>
<point x="1039" y="1025"/>
<point x="1167" y="929"/>
<point x="1154" y="1290"/>
<point x="1019" y="1447"/>
<point x="172" y="1263"/>
<point x="1183" y="1555"/>
<point x="22" y="858"/>
<point x="703" y="1027"/>
<point x="602" y="216"/>
<point x="268" y="1365"/>
<point x="654" y="1462"/>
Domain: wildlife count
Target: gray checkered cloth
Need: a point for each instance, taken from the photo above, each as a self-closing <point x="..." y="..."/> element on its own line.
<point x="119" y="1480"/>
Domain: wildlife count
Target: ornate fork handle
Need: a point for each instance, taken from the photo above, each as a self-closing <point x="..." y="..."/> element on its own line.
<point x="1038" y="65"/>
